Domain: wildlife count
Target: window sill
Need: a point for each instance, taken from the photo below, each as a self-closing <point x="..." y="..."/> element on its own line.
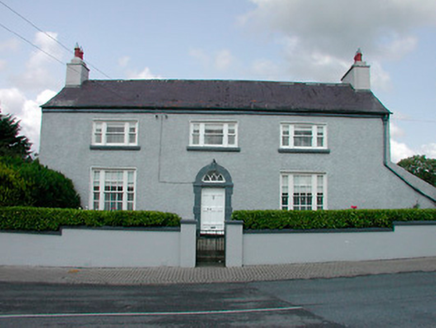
<point x="303" y="151"/>
<point x="220" y="149"/>
<point x="95" y="147"/>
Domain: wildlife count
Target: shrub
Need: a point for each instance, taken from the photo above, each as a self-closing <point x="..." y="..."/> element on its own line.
<point x="51" y="219"/>
<point x="36" y="185"/>
<point x="329" y="219"/>
<point x="13" y="188"/>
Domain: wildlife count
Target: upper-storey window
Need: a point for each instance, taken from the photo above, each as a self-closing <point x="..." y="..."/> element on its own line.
<point x="115" y="133"/>
<point x="214" y="134"/>
<point x="303" y="135"/>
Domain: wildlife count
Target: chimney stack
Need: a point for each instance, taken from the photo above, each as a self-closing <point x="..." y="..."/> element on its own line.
<point x="77" y="72"/>
<point x="358" y="75"/>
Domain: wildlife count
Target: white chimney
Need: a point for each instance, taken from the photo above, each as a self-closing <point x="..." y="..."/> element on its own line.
<point x="77" y="72"/>
<point x="358" y="75"/>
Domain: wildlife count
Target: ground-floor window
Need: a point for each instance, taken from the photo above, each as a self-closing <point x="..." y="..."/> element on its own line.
<point x="113" y="189"/>
<point x="303" y="191"/>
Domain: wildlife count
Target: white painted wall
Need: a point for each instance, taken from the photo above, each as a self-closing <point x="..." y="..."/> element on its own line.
<point x="406" y="241"/>
<point x="92" y="248"/>
<point x="77" y="247"/>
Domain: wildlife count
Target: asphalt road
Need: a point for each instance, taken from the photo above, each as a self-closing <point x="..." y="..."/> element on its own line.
<point x="397" y="300"/>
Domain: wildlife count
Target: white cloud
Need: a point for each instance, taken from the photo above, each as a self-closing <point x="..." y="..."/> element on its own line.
<point x="220" y="60"/>
<point x="223" y="59"/>
<point x="320" y="37"/>
<point x="266" y="69"/>
<point x="33" y="86"/>
<point x="13" y="101"/>
<point x="395" y="131"/>
<point x="399" y="151"/>
<point x="9" y="45"/>
<point x="37" y="74"/>
<point x="124" y="61"/>
<point x="380" y="79"/>
<point x="429" y="150"/>
<point x="144" y="74"/>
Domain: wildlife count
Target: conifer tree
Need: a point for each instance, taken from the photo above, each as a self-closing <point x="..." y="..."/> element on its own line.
<point x="11" y="142"/>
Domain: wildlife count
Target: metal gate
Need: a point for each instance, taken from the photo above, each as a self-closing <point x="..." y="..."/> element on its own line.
<point x="211" y="248"/>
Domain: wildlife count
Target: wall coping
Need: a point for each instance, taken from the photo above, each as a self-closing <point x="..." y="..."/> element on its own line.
<point x="234" y="222"/>
<point x="104" y="228"/>
<point x="188" y="221"/>
<point x="353" y="230"/>
<point x="295" y="231"/>
<point x="412" y="223"/>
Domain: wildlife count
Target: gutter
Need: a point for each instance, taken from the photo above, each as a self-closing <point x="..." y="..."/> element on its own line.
<point x="387" y="163"/>
<point x="212" y="111"/>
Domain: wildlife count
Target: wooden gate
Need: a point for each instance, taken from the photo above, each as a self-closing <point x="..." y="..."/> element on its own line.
<point x="211" y="249"/>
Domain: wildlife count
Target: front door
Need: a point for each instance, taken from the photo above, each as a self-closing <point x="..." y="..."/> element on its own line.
<point x="212" y="209"/>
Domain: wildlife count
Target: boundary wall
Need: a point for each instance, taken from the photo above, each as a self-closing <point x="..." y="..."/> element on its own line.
<point x="266" y="247"/>
<point x="176" y="247"/>
<point x="102" y="247"/>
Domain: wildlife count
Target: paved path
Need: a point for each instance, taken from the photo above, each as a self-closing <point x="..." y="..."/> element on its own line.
<point x="172" y="275"/>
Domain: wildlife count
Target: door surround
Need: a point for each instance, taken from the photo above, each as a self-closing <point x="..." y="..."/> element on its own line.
<point x="224" y="180"/>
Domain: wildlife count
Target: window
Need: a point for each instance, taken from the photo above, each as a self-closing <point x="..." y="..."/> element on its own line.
<point x="214" y="177"/>
<point x="302" y="135"/>
<point x="303" y="191"/>
<point x="214" y="134"/>
<point x="113" y="189"/>
<point x="115" y="133"/>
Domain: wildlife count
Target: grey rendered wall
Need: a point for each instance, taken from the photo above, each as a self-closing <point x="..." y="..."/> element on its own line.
<point x="166" y="170"/>
<point x="101" y="247"/>
<point x="407" y="241"/>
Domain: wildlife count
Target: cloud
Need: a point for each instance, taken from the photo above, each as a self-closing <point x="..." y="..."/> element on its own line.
<point x="145" y="74"/>
<point x="37" y="74"/>
<point x="429" y="150"/>
<point x="221" y="60"/>
<point x="265" y="69"/>
<point x="124" y="61"/>
<point x="399" y="151"/>
<point x="9" y="45"/>
<point x="28" y="111"/>
<point x="395" y="131"/>
<point x="320" y="37"/>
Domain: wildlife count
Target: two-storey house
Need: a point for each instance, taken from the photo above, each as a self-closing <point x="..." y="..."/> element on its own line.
<point x="202" y="148"/>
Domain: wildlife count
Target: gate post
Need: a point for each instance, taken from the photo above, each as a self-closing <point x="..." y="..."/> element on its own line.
<point x="234" y="243"/>
<point x="188" y="242"/>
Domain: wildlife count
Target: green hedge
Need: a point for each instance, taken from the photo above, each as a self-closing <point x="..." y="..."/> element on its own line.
<point x="51" y="219"/>
<point x="329" y="219"/>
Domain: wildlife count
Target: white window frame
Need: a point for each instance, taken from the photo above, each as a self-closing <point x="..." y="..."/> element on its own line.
<point x="318" y="183"/>
<point x="100" y="132"/>
<point x="197" y="131"/>
<point x="287" y="135"/>
<point x="98" y="192"/>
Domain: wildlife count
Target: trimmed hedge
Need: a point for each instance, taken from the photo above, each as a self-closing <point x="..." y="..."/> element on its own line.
<point x="51" y="219"/>
<point x="329" y="219"/>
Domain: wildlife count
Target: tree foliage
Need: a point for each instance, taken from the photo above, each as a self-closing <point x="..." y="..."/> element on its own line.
<point x="11" y="142"/>
<point x="422" y="167"/>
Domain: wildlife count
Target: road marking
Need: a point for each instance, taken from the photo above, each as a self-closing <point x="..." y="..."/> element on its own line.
<point x="127" y="314"/>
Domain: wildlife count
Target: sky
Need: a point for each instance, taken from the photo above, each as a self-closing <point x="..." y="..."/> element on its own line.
<point x="277" y="40"/>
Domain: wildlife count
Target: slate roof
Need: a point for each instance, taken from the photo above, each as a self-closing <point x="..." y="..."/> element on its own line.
<point x="222" y="95"/>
